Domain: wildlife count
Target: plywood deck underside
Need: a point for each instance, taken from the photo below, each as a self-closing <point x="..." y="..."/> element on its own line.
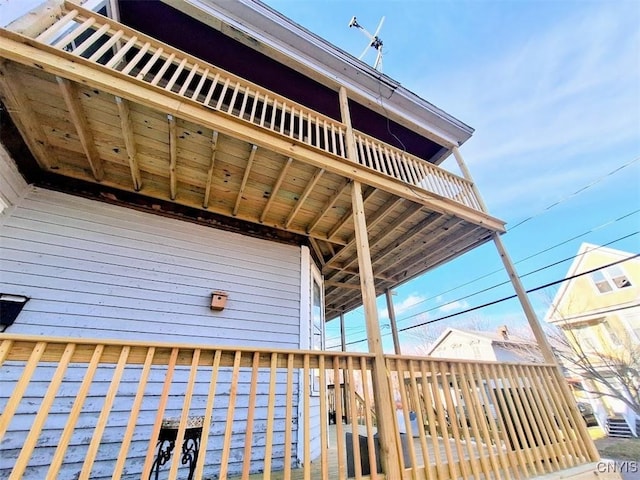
<point x="231" y="177"/>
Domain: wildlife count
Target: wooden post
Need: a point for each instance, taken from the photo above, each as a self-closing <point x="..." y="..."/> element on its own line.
<point x="392" y="321"/>
<point x="381" y="391"/>
<point x="343" y="336"/>
<point x="532" y="318"/>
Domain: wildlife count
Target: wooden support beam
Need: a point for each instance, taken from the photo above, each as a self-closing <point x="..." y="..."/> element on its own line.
<point x="79" y="119"/>
<point x="349" y="215"/>
<point x="57" y="62"/>
<point x="127" y="133"/>
<point x="307" y="191"/>
<point x="173" y="156"/>
<point x="245" y="178"/>
<point x="19" y="107"/>
<point x="328" y="206"/>
<point x="348" y="286"/>
<point x="385" y="410"/>
<point x="214" y="149"/>
<point x="316" y="248"/>
<point x="382" y="393"/>
<point x="276" y="187"/>
<point x="392" y="321"/>
<point x="377" y="217"/>
<point x="467" y="175"/>
<point x="343" y="337"/>
<point x="410" y="234"/>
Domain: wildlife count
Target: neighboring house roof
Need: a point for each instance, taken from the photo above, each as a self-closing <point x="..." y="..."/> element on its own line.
<point x="510" y="342"/>
<point x="578" y="266"/>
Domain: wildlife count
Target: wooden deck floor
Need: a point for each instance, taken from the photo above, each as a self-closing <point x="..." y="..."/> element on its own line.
<point x="456" y="452"/>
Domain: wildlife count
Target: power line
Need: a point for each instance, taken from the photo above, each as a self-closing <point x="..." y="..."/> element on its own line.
<point x="361" y="330"/>
<point x="504" y="299"/>
<point x="580" y="190"/>
<point x="484" y="290"/>
<point x="592" y="230"/>
<point x="577" y="192"/>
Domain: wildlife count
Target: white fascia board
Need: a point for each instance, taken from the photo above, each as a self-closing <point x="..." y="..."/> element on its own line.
<point x="293" y="45"/>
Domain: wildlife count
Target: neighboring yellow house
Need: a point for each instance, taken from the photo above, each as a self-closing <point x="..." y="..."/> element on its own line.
<point x="599" y="313"/>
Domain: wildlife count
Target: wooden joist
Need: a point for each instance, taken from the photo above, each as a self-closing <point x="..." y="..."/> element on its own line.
<point x="19" y="106"/>
<point x="245" y="178"/>
<point x="276" y="187"/>
<point x="329" y="205"/>
<point x="371" y="223"/>
<point x="173" y="156"/>
<point x="79" y="119"/>
<point x="129" y="141"/>
<point x="367" y="196"/>
<point x="308" y="189"/>
<point x="214" y="149"/>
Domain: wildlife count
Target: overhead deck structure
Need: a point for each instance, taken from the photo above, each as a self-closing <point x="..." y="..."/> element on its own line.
<point x="227" y="114"/>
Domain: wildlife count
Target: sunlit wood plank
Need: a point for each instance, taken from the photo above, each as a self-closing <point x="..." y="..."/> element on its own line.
<point x="162" y="405"/>
<point x="74" y="414"/>
<point x="228" y="428"/>
<point x="133" y="415"/>
<point x="127" y="133"/>
<point x="245" y="178"/>
<point x="18" y="392"/>
<point x="101" y="422"/>
<point x="184" y="414"/>
<point x="79" y="119"/>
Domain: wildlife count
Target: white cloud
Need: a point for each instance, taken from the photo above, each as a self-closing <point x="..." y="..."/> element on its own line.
<point x="554" y="111"/>
<point x="453" y="306"/>
<point x="403" y="306"/>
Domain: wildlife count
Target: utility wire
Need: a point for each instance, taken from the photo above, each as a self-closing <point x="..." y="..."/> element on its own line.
<point x="576" y="317"/>
<point x="522" y="276"/>
<point x="361" y="330"/>
<point x="577" y="192"/>
<point x="580" y="190"/>
<point x="599" y="227"/>
<point x="504" y="299"/>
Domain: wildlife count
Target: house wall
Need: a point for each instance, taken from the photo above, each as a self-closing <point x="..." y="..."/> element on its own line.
<point x="12" y="185"/>
<point x="606" y="323"/>
<point x="583" y="297"/>
<point x="102" y="271"/>
<point x="464" y="347"/>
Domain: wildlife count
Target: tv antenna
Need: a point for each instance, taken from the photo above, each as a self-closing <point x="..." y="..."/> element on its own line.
<point x="375" y="42"/>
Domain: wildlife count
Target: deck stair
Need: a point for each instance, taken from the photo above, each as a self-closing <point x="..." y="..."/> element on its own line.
<point x="618" y="427"/>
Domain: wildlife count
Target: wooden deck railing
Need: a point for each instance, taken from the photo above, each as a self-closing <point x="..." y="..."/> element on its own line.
<point x="75" y="408"/>
<point x="104" y="43"/>
<point x="486" y="420"/>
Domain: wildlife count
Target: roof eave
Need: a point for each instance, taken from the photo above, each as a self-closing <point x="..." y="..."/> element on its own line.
<point x="263" y="28"/>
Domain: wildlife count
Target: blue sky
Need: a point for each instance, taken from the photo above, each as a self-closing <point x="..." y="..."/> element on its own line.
<point x="553" y="91"/>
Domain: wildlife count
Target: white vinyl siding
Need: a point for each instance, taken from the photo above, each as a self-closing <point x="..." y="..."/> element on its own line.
<point x="12" y="185"/>
<point x="97" y="270"/>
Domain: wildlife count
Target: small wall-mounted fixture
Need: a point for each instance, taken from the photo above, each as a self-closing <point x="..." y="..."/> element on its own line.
<point x="218" y="300"/>
<point x="10" y="307"/>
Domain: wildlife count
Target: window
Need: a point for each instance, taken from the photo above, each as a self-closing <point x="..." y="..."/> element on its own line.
<point x="609" y="279"/>
<point x="613" y="335"/>
<point x="316" y="340"/>
<point x="585" y="336"/>
<point x="633" y="321"/>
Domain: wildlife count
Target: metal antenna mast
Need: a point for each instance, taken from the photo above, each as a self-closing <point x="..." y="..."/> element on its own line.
<point x="375" y="42"/>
